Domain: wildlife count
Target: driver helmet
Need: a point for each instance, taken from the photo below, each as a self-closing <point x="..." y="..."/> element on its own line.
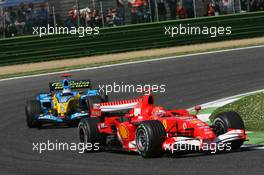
<point x="66" y="87"/>
<point x="158" y="112"/>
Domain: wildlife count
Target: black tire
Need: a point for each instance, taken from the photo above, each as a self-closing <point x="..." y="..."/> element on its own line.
<point x="104" y="96"/>
<point x="88" y="133"/>
<point x="73" y="123"/>
<point x="32" y="109"/>
<point x="149" y="138"/>
<point x="91" y="100"/>
<point x="223" y="121"/>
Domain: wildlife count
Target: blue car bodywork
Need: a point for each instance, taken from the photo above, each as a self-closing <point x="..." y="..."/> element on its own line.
<point x="67" y="102"/>
<point x="47" y="104"/>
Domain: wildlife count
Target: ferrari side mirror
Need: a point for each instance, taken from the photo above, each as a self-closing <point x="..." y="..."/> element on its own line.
<point x="197" y="109"/>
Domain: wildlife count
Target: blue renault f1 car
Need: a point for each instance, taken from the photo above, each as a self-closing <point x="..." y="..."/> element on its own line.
<point x="65" y="104"/>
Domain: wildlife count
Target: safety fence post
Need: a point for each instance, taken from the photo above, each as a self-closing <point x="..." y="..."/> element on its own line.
<point x="102" y="13"/>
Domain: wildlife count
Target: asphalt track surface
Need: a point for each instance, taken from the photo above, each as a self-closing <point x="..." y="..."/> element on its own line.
<point x="189" y="81"/>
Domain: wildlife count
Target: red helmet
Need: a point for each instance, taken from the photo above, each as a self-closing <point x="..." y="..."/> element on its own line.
<point x="158" y="112"/>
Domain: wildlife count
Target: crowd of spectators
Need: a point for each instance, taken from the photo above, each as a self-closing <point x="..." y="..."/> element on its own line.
<point x="113" y="17"/>
<point x="141" y="11"/>
<point x="222" y="7"/>
<point x="256" y="5"/>
<point x="20" y="20"/>
<point x="94" y="18"/>
<point x="151" y="10"/>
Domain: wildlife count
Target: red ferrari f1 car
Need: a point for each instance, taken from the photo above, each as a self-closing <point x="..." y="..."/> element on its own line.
<point x="137" y="125"/>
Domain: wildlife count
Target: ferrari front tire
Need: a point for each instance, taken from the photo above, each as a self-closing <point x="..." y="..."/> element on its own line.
<point x="32" y="109"/>
<point x="149" y="138"/>
<point x="229" y="120"/>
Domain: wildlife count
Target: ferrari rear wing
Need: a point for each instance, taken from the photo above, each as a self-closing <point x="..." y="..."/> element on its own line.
<point x="74" y="84"/>
<point x="115" y="106"/>
<point x="118" y="105"/>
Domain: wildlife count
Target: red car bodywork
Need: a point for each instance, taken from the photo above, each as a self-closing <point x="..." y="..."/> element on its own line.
<point x="180" y="125"/>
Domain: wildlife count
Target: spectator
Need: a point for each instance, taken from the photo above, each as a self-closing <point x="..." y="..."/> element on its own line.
<point x="211" y="9"/>
<point x="142" y="10"/>
<point x="42" y="15"/>
<point x="31" y="18"/>
<point x="96" y="18"/>
<point x="10" y="19"/>
<point x="188" y="6"/>
<point x="116" y="19"/>
<point x="137" y="10"/>
<point x="151" y="10"/>
<point x="181" y="11"/>
<point x="244" y="5"/>
<point x="72" y="18"/>
<point x="121" y="10"/>
<point x="83" y="18"/>
<point x="253" y="5"/>
<point x="133" y="13"/>
<point x="108" y="19"/>
<point x="9" y="16"/>
<point x="172" y="6"/>
<point x="112" y="18"/>
<point x="74" y="15"/>
<point x="227" y="6"/>
<point x="21" y="13"/>
<point x="89" y="18"/>
<point x="217" y="8"/>
<point x="20" y="19"/>
<point x="162" y="11"/>
<point x="256" y="5"/>
<point x="260" y="5"/>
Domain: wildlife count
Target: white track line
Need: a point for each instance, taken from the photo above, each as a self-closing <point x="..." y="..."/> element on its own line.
<point x="133" y="62"/>
<point x="253" y="147"/>
<point x="219" y="103"/>
<point x="222" y="100"/>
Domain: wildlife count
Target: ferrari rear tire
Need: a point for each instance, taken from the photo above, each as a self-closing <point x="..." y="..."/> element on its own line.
<point x="88" y="133"/>
<point x="227" y="120"/>
<point x="149" y="138"/>
<point x="32" y="109"/>
<point x="104" y="96"/>
<point x="91" y="100"/>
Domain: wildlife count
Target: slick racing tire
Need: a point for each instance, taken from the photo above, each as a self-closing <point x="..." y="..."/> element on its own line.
<point x="88" y="133"/>
<point x="227" y="120"/>
<point x="104" y="96"/>
<point x="149" y="138"/>
<point x="73" y="123"/>
<point x="32" y="109"/>
<point x="93" y="100"/>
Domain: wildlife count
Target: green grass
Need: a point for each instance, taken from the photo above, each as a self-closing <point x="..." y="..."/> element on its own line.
<point x="255" y="138"/>
<point x="250" y="108"/>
